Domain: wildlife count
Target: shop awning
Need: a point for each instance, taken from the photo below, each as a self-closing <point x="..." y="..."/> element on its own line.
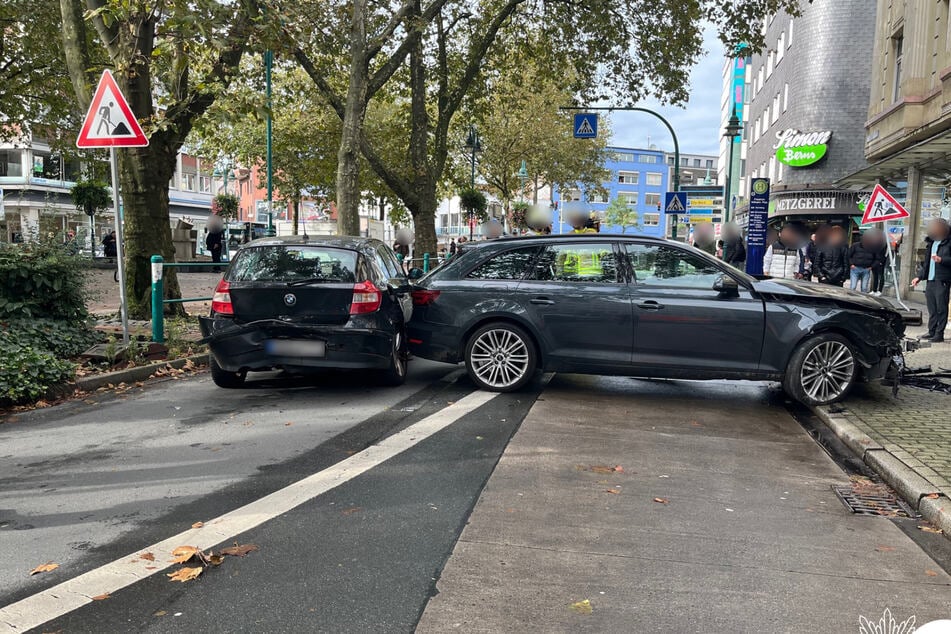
<point x="931" y="155"/>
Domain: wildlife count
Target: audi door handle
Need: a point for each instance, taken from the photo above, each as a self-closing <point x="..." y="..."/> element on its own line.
<point x="650" y="305"/>
<point x="541" y="301"/>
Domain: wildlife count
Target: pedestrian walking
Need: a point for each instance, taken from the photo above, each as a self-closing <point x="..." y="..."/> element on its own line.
<point x="880" y="243"/>
<point x="452" y="247"/>
<point x="831" y="265"/>
<point x="214" y="241"/>
<point x="935" y="269"/>
<point x="786" y="257"/>
<point x="109" y="249"/>
<point x="734" y="251"/>
<point x="861" y="258"/>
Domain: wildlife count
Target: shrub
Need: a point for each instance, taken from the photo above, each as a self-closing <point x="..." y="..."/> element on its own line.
<point x="474" y="203"/>
<point x="42" y="279"/>
<point x="62" y="339"/>
<point x="26" y="373"/>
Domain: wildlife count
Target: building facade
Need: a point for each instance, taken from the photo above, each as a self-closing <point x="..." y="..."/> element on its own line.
<point x="638" y="177"/>
<point x="806" y="98"/>
<point x="907" y="132"/>
<point x="35" y="182"/>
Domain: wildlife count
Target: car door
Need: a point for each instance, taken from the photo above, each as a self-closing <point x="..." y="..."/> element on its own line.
<point x="387" y="261"/>
<point x="682" y="325"/>
<point x="578" y="299"/>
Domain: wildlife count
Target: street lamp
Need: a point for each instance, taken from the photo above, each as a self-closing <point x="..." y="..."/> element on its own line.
<point x="732" y="131"/>
<point x="523" y="178"/>
<point x="473" y="143"/>
<point x="223" y="171"/>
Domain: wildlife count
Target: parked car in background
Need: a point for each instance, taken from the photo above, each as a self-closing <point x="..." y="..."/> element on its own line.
<point x="638" y="306"/>
<point x="303" y="303"/>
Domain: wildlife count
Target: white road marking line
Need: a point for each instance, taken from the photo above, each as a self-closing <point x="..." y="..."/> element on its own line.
<point x="76" y="592"/>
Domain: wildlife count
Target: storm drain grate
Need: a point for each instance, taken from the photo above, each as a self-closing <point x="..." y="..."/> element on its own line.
<point x="868" y="498"/>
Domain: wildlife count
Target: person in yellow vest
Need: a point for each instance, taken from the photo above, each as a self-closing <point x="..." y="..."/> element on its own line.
<point x="580" y="221"/>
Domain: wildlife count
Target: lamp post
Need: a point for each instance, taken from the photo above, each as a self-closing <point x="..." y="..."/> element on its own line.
<point x="732" y="131"/>
<point x="268" y="63"/>
<point x="474" y="143"/>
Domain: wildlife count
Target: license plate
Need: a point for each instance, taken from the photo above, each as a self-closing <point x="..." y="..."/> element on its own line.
<point x="295" y="347"/>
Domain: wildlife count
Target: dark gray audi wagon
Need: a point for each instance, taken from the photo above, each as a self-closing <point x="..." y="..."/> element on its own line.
<point x="637" y="306"/>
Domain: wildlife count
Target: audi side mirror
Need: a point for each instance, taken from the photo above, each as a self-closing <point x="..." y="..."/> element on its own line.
<point x="726" y="285"/>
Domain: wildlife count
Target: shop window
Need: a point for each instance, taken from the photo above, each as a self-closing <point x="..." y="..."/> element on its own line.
<point x="72" y="170"/>
<point x="47" y="165"/>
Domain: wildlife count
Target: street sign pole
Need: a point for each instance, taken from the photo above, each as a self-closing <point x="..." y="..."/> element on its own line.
<point x="117" y="210"/>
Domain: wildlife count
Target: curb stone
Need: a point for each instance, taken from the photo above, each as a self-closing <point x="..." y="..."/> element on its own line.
<point x="131" y="375"/>
<point x="911" y="486"/>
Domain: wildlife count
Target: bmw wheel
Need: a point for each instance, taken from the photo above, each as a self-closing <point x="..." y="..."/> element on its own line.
<point x="822" y="370"/>
<point x="395" y="375"/>
<point x="223" y="378"/>
<point x="500" y="357"/>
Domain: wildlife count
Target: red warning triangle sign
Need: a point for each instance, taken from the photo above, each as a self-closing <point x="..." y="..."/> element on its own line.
<point x="109" y="121"/>
<point x="882" y="206"/>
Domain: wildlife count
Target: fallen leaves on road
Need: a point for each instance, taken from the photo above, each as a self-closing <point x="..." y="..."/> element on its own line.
<point x="351" y="510"/>
<point x="147" y="556"/>
<point x="612" y="491"/>
<point x="198" y="524"/>
<point x="239" y="551"/>
<point x="183" y="554"/>
<point x="931" y="573"/>
<point x="662" y="500"/>
<point x="101" y="597"/>
<point x="930" y="529"/>
<point x="884" y="549"/>
<point x="695" y="423"/>
<point x="185" y="574"/>
<point x="603" y="468"/>
<point x="47" y="567"/>
<point x="933" y="496"/>
<point x="581" y="607"/>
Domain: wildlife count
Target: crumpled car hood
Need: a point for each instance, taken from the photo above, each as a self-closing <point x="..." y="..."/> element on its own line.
<point x="790" y="289"/>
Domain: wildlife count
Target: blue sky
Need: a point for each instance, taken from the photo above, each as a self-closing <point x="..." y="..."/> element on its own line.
<point x="697" y="124"/>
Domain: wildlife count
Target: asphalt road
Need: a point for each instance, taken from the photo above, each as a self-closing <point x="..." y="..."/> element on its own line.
<point x="363" y="542"/>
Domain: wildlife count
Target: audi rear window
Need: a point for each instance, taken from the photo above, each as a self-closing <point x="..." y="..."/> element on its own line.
<point x="294" y="263"/>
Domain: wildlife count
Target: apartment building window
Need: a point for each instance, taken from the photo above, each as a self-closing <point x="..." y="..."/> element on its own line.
<point x="781" y="47"/>
<point x="204" y="184"/>
<point x="898" y="43"/>
<point x="11" y="164"/>
<point x="629" y="198"/>
<point x="792" y="23"/>
<point x="776" y="107"/>
<point x="650" y="159"/>
<point x="709" y="164"/>
<point x="598" y="197"/>
<point x="628" y="178"/>
<point x="652" y="201"/>
<point x="624" y="157"/>
<point x="651" y="220"/>
<point x="655" y="179"/>
<point x="670" y="160"/>
<point x="769" y="64"/>
<point x="785" y="97"/>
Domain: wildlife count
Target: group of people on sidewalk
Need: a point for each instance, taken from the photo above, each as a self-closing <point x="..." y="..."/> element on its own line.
<point x="827" y="257"/>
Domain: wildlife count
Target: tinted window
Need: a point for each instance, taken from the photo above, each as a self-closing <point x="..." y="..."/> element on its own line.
<point x="388" y="269"/>
<point x="666" y="266"/>
<point x="510" y="265"/>
<point x="581" y="262"/>
<point x="290" y="263"/>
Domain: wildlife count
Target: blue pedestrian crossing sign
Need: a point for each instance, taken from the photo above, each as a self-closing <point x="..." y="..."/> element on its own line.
<point x="586" y="125"/>
<point x="675" y="202"/>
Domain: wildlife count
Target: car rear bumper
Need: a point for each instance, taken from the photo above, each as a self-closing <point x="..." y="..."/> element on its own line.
<point x="240" y="347"/>
<point x="435" y="342"/>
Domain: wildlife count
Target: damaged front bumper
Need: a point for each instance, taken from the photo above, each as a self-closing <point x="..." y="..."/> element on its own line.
<point x="270" y="344"/>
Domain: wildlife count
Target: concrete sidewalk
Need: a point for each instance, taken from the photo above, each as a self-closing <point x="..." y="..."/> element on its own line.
<point x="907" y="439"/>
<point x="721" y="519"/>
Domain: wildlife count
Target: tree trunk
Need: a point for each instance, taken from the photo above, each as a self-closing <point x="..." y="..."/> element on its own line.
<point x="295" y="210"/>
<point x="144" y="174"/>
<point x="355" y="106"/>
<point x="424" y="219"/>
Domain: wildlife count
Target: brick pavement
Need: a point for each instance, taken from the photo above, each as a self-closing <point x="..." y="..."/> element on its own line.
<point x="915" y="426"/>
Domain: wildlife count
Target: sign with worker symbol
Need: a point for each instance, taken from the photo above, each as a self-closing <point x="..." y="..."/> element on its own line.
<point x="882" y="206"/>
<point x="109" y="121"/>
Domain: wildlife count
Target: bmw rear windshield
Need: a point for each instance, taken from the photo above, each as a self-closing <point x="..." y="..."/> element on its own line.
<point x="292" y="263"/>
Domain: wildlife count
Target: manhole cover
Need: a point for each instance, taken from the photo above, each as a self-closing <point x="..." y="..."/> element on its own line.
<point x="870" y="498"/>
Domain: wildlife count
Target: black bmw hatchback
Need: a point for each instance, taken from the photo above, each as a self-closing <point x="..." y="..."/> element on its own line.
<point x="602" y="304"/>
<point x="303" y="303"/>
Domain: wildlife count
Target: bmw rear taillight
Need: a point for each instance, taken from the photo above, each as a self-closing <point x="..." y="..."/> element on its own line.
<point x="366" y="298"/>
<point x="424" y="297"/>
<point x="221" y="302"/>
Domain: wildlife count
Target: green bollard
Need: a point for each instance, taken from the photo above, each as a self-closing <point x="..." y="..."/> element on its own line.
<point x="425" y="263"/>
<point x="158" y="294"/>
